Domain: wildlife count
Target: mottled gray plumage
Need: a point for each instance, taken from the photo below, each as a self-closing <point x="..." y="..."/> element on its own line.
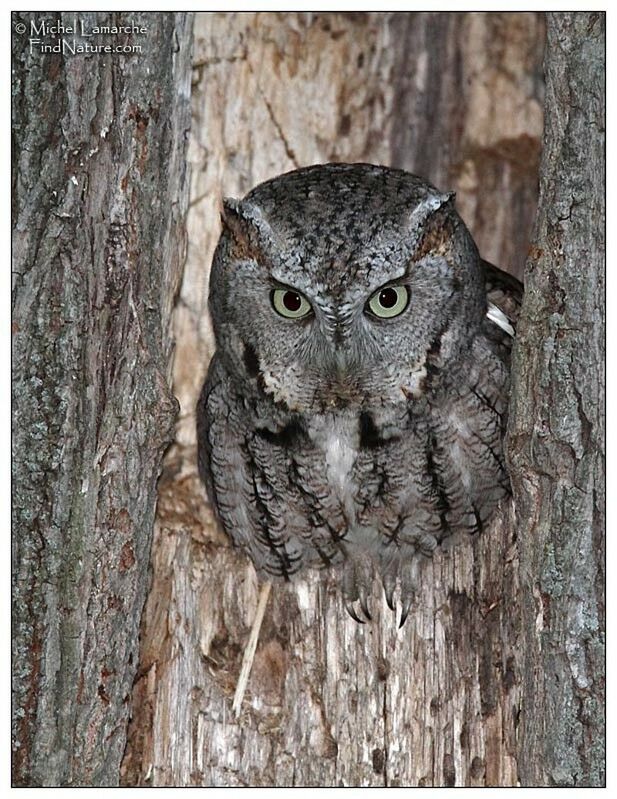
<point x="341" y="436"/>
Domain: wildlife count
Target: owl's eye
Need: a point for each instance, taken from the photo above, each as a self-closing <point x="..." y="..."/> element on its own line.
<point x="389" y="301"/>
<point x="290" y="304"/>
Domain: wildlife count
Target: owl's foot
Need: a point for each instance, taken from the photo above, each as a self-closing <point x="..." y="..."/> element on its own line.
<point x="357" y="584"/>
<point x="401" y="571"/>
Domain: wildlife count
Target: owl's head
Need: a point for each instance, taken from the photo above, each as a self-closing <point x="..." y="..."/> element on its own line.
<point x="344" y="285"/>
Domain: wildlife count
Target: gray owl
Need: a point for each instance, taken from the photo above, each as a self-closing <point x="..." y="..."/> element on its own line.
<point x="355" y="407"/>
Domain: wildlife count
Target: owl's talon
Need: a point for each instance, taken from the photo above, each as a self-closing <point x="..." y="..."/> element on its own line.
<point x="409" y="583"/>
<point x="405" y="607"/>
<point x="389" y="586"/>
<point x="352" y="612"/>
<point x="364" y="606"/>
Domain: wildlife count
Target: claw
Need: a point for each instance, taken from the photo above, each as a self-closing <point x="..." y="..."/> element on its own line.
<point x="357" y="582"/>
<point x="352" y="612"/>
<point x="364" y="606"/>
<point x="405" y="607"/>
<point x="389" y="586"/>
<point x="409" y="584"/>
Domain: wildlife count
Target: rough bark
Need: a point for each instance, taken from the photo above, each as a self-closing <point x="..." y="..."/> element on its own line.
<point x="331" y="702"/>
<point x="100" y="191"/>
<point x="557" y="424"/>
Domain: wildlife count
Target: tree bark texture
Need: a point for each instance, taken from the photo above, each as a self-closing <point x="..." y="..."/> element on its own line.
<point x="557" y="428"/>
<point x="457" y="98"/>
<point x="100" y="191"/>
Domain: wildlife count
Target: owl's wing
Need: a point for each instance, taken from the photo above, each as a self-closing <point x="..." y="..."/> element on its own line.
<point x="260" y="481"/>
<point x="504" y="294"/>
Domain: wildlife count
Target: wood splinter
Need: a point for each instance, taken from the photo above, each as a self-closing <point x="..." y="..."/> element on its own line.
<point x="251" y="646"/>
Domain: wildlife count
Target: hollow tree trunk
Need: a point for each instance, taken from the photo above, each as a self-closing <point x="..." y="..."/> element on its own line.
<point x="456" y="98"/>
<point x="557" y="424"/>
<point x="100" y="192"/>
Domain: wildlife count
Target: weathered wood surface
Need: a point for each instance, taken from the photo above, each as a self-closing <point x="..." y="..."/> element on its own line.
<point x="99" y="197"/>
<point x="330" y="702"/>
<point x="558" y="426"/>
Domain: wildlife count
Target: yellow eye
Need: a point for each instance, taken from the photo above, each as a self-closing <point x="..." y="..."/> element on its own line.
<point x="389" y="302"/>
<point x="290" y="304"/>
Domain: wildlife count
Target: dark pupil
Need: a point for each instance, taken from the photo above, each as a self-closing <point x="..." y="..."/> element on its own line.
<point x="388" y="298"/>
<point x="292" y="301"/>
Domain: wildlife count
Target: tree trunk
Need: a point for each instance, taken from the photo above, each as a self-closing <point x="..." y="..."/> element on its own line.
<point x="100" y="192"/>
<point x="456" y="98"/>
<point x="557" y="424"/>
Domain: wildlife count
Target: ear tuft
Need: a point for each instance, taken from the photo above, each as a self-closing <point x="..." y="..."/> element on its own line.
<point x="237" y="215"/>
<point x="248" y="229"/>
<point x="434" y="221"/>
<point x="429" y="206"/>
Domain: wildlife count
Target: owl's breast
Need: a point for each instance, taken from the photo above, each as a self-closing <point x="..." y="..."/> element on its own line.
<point x="336" y="437"/>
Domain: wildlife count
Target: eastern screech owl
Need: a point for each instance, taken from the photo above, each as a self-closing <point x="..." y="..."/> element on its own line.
<point x="356" y="404"/>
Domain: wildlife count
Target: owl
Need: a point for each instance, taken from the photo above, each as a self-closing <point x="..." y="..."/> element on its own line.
<point x="354" y="410"/>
